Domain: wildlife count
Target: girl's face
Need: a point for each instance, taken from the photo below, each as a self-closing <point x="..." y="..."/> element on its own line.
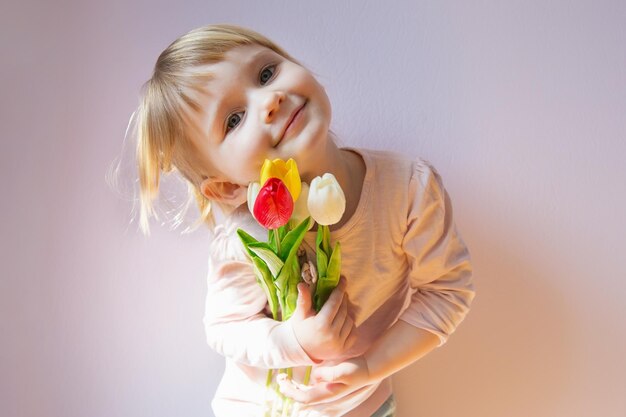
<point x="261" y="106"/>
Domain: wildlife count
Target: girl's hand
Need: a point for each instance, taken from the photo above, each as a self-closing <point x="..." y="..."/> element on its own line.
<point x="328" y="382"/>
<point x="331" y="332"/>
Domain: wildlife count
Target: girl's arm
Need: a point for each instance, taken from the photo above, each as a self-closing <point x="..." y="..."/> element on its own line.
<point x="401" y="345"/>
<point x="235" y="322"/>
<point x="237" y="327"/>
<point x="442" y="291"/>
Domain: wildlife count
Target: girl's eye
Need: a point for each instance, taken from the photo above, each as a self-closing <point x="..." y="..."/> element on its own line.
<point x="232" y="121"/>
<point x="267" y="73"/>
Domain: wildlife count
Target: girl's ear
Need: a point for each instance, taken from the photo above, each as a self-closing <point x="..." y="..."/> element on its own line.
<point x="224" y="192"/>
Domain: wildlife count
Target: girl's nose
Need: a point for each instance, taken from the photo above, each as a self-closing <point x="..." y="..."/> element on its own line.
<point x="271" y="105"/>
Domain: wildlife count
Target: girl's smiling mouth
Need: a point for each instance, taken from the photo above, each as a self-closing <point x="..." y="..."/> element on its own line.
<point x="292" y="123"/>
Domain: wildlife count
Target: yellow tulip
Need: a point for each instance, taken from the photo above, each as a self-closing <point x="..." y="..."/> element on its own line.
<point x="287" y="172"/>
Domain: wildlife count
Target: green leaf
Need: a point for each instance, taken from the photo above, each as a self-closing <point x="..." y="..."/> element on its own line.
<point x="322" y="292"/>
<point x="293" y="243"/>
<point x="264" y="278"/>
<point x="291" y="293"/>
<point x="280" y="296"/>
<point x="320" y="254"/>
<point x="287" y="274"/>
<point x="319" y="238"/>
<point x="326" y="239"/>
<point x="327" y="282"/>
<point x="282" y="231"/>
<point x="263" y="245"/>
<point x="271" y="240"/>
<point x="246" y="239"/>
<point x="282" y="280"/>
<point x="294" y="236"/>
<point x="322" y="262"/>
<point x="334" y="266"/>
<point x="263" y="251"/>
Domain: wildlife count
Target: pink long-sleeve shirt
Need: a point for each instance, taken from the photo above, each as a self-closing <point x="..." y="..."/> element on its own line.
<point x="403" y="259"/>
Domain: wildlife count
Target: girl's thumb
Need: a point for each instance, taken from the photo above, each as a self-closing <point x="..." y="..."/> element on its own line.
<point x="304" y="299"/>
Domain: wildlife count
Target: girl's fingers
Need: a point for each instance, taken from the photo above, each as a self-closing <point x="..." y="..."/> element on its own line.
<point x="351" y="339"/>
<point x="333" y="376"/>
<point x="304" y="305"/>
<point x="308" y="394"/>
<point x="346" y="330"/>
<point x="340" y="317"/>
<point x="324" y="374"/>
<point x="295" y="391"/>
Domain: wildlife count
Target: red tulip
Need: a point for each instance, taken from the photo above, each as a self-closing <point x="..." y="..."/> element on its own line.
<point x="273" y="205"/>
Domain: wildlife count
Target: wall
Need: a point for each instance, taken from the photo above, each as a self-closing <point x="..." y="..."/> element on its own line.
<point x="520" y="105"/>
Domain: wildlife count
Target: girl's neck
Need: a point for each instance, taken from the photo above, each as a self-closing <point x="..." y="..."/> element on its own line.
<point x="338" y="162"/>
<point x="349" y="169"/>
<point x="351" y="183"/>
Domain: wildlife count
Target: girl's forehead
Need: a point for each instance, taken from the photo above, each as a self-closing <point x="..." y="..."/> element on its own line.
<point x="236" y="64"/>
<point x="245" y="56"/>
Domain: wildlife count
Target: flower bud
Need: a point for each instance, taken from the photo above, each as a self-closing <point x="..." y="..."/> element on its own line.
<point x="253" y="192"/>
<point x="326" y="201"/>
<point x="273" y="205"/>
<point x="287" y="172"/>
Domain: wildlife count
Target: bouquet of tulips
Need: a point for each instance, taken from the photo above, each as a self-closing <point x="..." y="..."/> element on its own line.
<point x="285" y="206"/>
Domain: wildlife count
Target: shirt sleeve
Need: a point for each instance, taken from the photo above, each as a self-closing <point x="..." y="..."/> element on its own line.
<point x="440" y="271"/>
<point x="235" y="322"/>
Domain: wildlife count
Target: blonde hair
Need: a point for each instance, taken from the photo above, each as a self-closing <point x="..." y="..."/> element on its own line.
<point x="164" y="126"/>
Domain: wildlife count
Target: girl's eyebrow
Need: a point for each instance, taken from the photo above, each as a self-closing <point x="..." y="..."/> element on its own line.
<point x="259" y="55"/>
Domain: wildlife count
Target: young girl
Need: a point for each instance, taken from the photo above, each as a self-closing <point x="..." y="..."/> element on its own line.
<point x="223" y="99"/>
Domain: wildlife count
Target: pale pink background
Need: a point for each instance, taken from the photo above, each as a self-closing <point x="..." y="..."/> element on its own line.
<point x="520" y="105"/>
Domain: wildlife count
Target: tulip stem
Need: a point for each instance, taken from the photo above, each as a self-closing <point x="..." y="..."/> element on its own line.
<point x="268" y="380"/>
<point x="277" y="239"/>
<point x="307" y="375"/>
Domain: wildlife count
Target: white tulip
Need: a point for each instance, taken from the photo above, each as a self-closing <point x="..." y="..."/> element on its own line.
<point x="300" y="207"/>
<point x="326" y="201"/>
<point x="253" y="192"/>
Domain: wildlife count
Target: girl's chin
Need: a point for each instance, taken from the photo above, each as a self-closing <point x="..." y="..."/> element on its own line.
<point x="305" y="148"/>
